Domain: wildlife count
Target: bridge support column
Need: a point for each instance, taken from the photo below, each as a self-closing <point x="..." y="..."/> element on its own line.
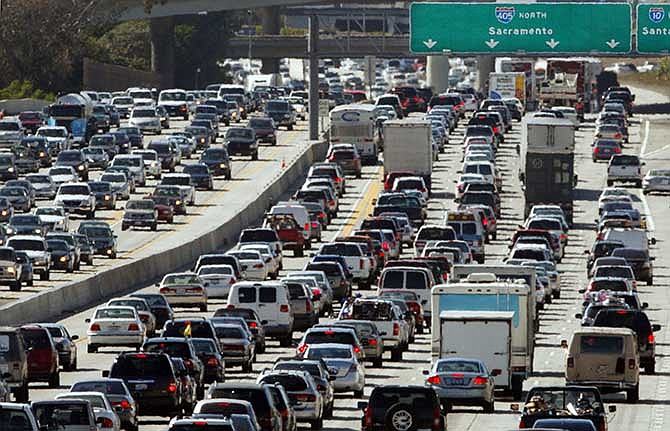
<point x="271" y="24"/>
<point x="163" y="49"/>
<point x="485" y="65"/>
<point x="312" y="47"/>
<point x="437" y="73"/>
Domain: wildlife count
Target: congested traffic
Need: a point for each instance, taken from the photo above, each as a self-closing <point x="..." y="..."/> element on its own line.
<point x="435" y="240"/>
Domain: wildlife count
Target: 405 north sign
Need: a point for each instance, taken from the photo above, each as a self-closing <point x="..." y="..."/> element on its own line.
<point x="543" y="28"/>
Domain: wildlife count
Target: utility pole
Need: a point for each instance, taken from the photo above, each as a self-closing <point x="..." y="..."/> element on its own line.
<point x="312" y="49"/>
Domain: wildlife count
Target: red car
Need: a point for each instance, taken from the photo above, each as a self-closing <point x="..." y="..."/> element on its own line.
<point x="164" y="209"/>
<point x="289" y="232"/>
<point x="42" y="355"/>
<point x="32" y="120"/>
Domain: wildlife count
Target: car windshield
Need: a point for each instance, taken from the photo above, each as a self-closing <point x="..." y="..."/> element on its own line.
<point x="60" y="171"/>
<point x="229" y="332"/>
<point x="458" y="367"/>
<point x="6" y="254"/>
<point x="181" y="279"/>
<point x="625" y="160"/>
<point x="100" y="187"/>
<point x="52" y="133"/>
<point x="196" y="169"/>
<point x="106" y="387"/>
<point x="144" y="113"/>
<point x="173" y="96"/>
<point x="328" y="353"/>
<point x="214" y="154"/>
<point x="97" y="402"/>
<point x="601" y="344"/>
<point x="239" y="133"/>
<point x="73" y="190"/>
<point x="141" y="365"/>
<point x="12" y="191"/>
<point x="68" y="156"/>
<point x="561" y="399"/>
<point x="289" y="382"/>
<point x="135" y="303"/>
<point x="25" y="220"/>
<point x="218" y="270"/>
<point x="26" y="244"/>
<point x="113" y="178"/>
<point x="60" y="415"/>
<point x="122" y="101"/>
<point x="97" y="232"/>
<point x="260" y="123"/>
<point x="10" y="126"/>
<point x="114" y="313"/>
<point x="146" y="204"/>
<point x="173" y="349"/>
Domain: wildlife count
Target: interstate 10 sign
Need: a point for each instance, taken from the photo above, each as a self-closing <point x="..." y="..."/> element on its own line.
<point x="653" y="28"/>
<point x="528" y="28"/>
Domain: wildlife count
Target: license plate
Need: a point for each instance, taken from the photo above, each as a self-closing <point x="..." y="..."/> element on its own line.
<point x="457" y="382"/>
<point x="141" y="386"/>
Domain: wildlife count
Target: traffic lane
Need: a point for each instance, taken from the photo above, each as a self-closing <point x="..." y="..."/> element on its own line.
<point x="209" y="210"/>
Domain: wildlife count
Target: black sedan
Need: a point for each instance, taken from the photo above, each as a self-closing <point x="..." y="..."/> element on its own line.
<point x="201" y="177"/>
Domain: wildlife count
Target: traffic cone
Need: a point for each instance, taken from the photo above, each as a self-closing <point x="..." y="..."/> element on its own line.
<point x="283" y="163"/>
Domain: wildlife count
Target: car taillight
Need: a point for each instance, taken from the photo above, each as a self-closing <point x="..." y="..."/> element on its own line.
<point x="308" y="306"/>
<point x="445" y="275"/>
<point x="188" y="363"/>
<point x="495" y="130"/>
<point x="164" y="290"/>
<point x="368" y="417"/>
<point x="331" y="158"/>
<point x="172" y="387"/>
<point x="284" y="413"/>
<point x="283" y="308"/>
<point x="94" y="327"/>
<point x="596" y="150"/>
<point x="144" y="318"/>
<point x="302" y="348"/>
<point x="338" y="179"/>
<point x="357" y="349"/>
<point x="437" y="418"/>
<point x="315" y="225"/>
<point x="306" y="226"/>
<point x="617" y="136"/>
<point x="253" y="325"/>
<point x="396" y="329"/>
<point x="106" y="423"/>
<point x="479" y="381"/>
<point x="321" y="215"/>
<point x="213" y="362"/>
<point x="650" y="338"/>
<point x="133" y="327"/>
<point x="230" y="306"/>
<point x="385" y="245"/>
<point x="361" y="263"/>
<point x="372" y="342"/>
<point x="617" y="150"/>
<point x="571" y="362"/>
<point x="125" y="404"/>
<point x="265" y="422"/>
<point x="579" y="106"/>
<point x="631" y="364"/>
<point x="305" y="397"/>
<point x="434" y="380"/>
<point x="258" y="266"/>
<point x="415" y="98"/>
<point x="485" y="221"/>
<point x="522" y="424"/>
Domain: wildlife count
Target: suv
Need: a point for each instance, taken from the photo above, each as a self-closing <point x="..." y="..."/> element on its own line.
<point x="14" y="360"/>
<point x="180" y="348"/>
<point x="151" y="379"/>
<point x="10" y="270"/>
<point x="258" y="395"/>
<point x="76" y="197"/>
<point x="638" y="322"/>
<point x="606" y="358"/>
<point x="140" y="212"/>
<point x="624" y="168"/>
<point x="242" y="141"/>
<point x="265" y="128"/>
<point x="17" y="417"/>
<point x="42" y="355"/>
<point x="102" y="237"/>
<point x="281" y="112"/>
<point x="393" y="407"/>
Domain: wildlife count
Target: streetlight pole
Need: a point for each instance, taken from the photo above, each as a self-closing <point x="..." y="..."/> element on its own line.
<point x="249" y="33"/>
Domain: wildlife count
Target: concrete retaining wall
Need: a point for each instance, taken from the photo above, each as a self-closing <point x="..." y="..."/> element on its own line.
<point x="16" y="106"/>
<point x="54" y="303"/>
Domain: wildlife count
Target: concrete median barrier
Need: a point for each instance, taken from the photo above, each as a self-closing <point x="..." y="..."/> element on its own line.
<point x="127" y="277"/>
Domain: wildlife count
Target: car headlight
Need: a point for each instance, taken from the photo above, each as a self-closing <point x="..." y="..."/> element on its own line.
<point x="202" y="140"/>
<point x="11" y="270"/>
<point x="107" y="197"/>
<point x="177" y="202"/>
<point x="10" y="170"/>
<point x="63" y="259"/>
<point x="42" y="154"/>
<point x="4" y="212"/>
<point x="38" y="231"/>
<point x="61" y="221"/>
<point x="10" y="231"/>
<point x="81" y="167"/>
<point x="222" y="165"/>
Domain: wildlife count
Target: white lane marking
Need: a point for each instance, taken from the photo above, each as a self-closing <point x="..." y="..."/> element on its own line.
<point x="660" y="150"/>
<point x="647" y="210"/>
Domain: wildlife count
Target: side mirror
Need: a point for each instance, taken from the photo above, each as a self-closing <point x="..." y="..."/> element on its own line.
<point x="105" y="373"/>
<point x="578" y="316"/>
<point x="332" y="371"/>
<point x="87" y="321"/>
<point x="362" y="405"/>
<point x="611" y="409"/>
<point x="645" y="305"/>
<point x="655" y="327"/>
<point x="514" y="407"/>
<point x="564" y="344"/>
<point x="75" y="337"/>
<point x="496" y="372"/>
<point x="425" y="372"/>
<point x="582" y="291"/>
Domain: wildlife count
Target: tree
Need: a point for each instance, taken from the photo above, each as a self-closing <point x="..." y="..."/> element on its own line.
<point x="127" y="44"/>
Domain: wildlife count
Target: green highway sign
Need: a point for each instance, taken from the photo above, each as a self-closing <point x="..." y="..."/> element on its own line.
<point x="653" y="28"/>
<point x="528" y="28"/>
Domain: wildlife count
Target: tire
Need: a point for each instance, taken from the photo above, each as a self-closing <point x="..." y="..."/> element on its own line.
<point x="228" y="176"/>
<point x="77" y="266"/>
<point x="633" y="395"/>
<point x="359" y="394"/>
<point x="70" y="269"/>
<point x="30" y="282"/>
<point x="44" y="276"/>
<point x="317" y="424"/>
<point x="261" y="349"/>
<point x="203" y="308"/>
<point x="154" y="227"/>
<point x="286" y="341"/>
<point x="21" y="394"/>
<point x="378" y="363"/>
<point x="124" y="227"/>
<point x="556" y="295"/>
<point x="396" y="354"/>
<point x="489" y="407"/>
<point x="610" y="183"/>
<point x="247" y="367"/>
<point x="650" y="281"/>
<point x="419" y="329"/>
<point x="298" y="252"/>
<point x="289" y="127"/>
<point x="132" y="427"/>
<point x="92" y="348"/>
<point x="254" y="156"/>
<point x="54" y="380"/>
<point x="517" y="389"/>
<point x="400" y="413"/>
<point x="16" y="286"/>
<point x="650" y="368"/>
<point x="113" y="255"/>
<point x="638" y="184"/>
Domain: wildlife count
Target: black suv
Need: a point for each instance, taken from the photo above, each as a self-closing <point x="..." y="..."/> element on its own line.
<point x="393" y="407"/>
<point x="259" y="396"/>
<point x="180" y="348"/>
<point x="638" y="322"/>
<point x="152" y="380"/>
<point x="242" y="141"/>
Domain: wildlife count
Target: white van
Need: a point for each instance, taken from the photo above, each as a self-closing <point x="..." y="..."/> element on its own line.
<point x="356" y="124"/>
<point x="300" y="214"/>
<point x="269" y="299"/>
<point x="413" y="279"/>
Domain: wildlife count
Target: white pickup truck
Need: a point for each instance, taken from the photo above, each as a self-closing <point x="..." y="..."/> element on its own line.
<point x="386" y="317"/>
<point x="360" y="265"/>
<point x="624" y="168"/>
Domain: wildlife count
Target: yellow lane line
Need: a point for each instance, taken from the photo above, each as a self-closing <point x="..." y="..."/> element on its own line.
<point x="364" y="205"/>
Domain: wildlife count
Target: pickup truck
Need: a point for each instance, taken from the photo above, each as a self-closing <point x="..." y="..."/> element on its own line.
<point x="399" y="202"/>
<point x="624" y="168"/>
<point x="289" y="232"/>
<point x="387" y="318"/>
<point x="576" y="402"/>
<point x="185" y="184"/>
<point x="360" y="265"/>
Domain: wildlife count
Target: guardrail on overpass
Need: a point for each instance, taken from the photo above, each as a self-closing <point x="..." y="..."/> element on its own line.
<point x="297" y="46"/>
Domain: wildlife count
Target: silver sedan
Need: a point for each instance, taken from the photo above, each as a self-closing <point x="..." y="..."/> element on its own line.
<point x="459" y="381"/>
<point x="342" y="363"/>
<point x="656" y="180"/>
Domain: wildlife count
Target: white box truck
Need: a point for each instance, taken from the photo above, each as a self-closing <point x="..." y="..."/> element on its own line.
<point x="485" y="335"/>
<point x="408" y="147"/>
<point x="508" y="85"/>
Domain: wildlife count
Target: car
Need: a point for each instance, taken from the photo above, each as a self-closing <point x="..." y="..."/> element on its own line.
<point x="343" y="360"/>
<point x="218" y="162"/>
<point x="104" y="413"/>
<point x="163" y="116"/>
<point x="624" y="168"/>
<point x="219" y="279"/>
<point x="209" y="353"/>
<point x="265" y="410"/>
<point x="281" y="112"/>
<point x="265" y="128"/>
<point x="102" y="237"/>
<point x="152" y="164"/>
<point x="143" y="310"/>
<point x="27" y="271"/>
<point x="237" y="345"/>
<point x="54" y="218"/>
<point x="70" y="415"/>
<point x="183" y="181"/>
<point x="181" y="348"/>
<point x="184" y="289"/>
<point x="11" y="271"/>
<point x="62" y="255"/>
<point x="172" y="197"/>
<point x="76" y="160"/>
<point x="15" y="360"/>
<point x="114" y="326"/>
<point x="256" y="268"/>
<point x="118" y="395"/>
<point x="200" y="175"/>
<point x="76" y="198"/>
<point x="140" y="213"/>
<point x="300" y="388"/>
<point x="42" y="355"/>
<point x="392" y="407"/>
<point x="152" y="380"/>
<point x="135" y="164"/>
<point x="606" y="358"/>
<point x="146" y="119"/>
<point x="371" y="340"/>
<point x="222" y="408"/>
<point x="18" y="417"/>
<point x="253" y="322"/>
<point x="159" y="307"/>
<point x="65" y="344"/>
<point x="656" y="181"/>
<point x="18" y="197"/>
<point x="348" y="160"/>
<point x="604" y="149"/>
<point x="35" y="247"/>
<point x="8" y="169"/>
<point x="119" y="182"/>
<point x="242" y="141"/>
<point x="463" y="381"/>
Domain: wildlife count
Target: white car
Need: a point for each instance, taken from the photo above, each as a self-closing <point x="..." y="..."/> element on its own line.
<point x="253" y="263"/>
<point x="271" y="261"/>
<point x="146" y="119"/>
<point x="184" y="289"/>
<point x="76" y="198"/>
<point x="410" y="183"/>
<point x="55" y="217"/>
<point x="63" y="174"/>
<point x="57" y="136"/>
<point x="104" y="413"/>
<point x="219" y="279"/>
<point x="143" y="310"/>
<point x="114" y="326"/>
<point x="152" y="166"/>
<point x="184" y="183"/>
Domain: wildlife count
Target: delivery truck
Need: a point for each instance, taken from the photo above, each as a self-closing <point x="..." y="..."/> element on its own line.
<point x="485" y="335"/>
<point x="408" y="147"/>
<point x="508" y="85"/>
